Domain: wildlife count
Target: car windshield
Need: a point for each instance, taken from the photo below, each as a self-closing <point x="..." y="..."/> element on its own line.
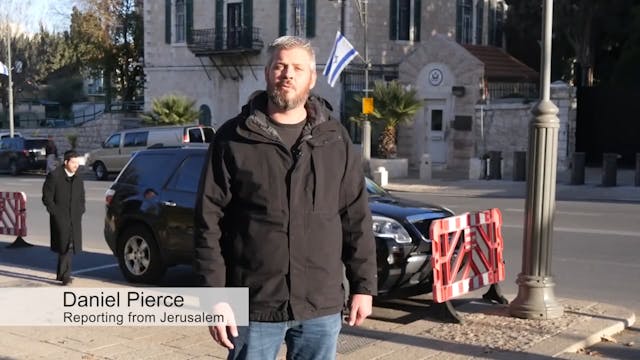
<point x="373" y="189"/>
<point x="35" y="144"/>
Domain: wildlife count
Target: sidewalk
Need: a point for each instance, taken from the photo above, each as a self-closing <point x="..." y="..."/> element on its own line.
<point x="455" y="184"/>
<point x="488" y="332"/>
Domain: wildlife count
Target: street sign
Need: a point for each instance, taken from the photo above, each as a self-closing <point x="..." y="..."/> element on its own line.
<point x="367" y="105"/>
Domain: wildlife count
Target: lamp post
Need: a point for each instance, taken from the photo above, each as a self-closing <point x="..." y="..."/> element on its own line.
<point x="535" y="299"/>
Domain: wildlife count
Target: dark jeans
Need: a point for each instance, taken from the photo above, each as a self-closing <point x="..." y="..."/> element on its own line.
<point x="314" y="339"/>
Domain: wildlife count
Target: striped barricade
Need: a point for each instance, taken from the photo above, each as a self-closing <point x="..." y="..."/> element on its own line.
<point x="13" y="213"/>
<point x="466" y="253"/>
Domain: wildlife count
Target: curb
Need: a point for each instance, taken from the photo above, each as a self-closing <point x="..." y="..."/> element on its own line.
<point x="597" y="328"/>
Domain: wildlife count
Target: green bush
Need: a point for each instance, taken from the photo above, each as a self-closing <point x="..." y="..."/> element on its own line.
<point x="171" y="110"/>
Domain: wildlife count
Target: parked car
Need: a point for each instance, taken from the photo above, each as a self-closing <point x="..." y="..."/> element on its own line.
<point x="118" y="147"/>
<point x="20" y="154"/>
<point x="7" y="134"/>
<point x="149" y="221"/>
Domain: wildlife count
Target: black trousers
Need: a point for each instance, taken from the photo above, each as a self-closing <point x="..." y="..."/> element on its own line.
<point x="64" y="264"/>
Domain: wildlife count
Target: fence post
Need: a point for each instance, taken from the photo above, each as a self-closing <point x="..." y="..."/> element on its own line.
<point x="609" y="169"/>
<point x="637" y="179"/>
<point x="577" y="168"/>
<point x="519" y="166"/>
<point x="495" y="165"/>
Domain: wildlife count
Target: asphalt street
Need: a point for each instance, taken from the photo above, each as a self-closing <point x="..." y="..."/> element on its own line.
<point x="595" y="247"/>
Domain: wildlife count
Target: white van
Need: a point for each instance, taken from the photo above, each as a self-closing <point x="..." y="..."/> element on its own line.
<point x="119" y="146"/>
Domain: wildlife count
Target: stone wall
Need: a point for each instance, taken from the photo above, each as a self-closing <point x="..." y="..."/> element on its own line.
<point x="504" y="126"/>
<point x="90" y="134"/>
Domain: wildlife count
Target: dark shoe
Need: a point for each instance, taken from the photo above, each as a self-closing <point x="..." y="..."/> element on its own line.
<point x="67" y="281"/>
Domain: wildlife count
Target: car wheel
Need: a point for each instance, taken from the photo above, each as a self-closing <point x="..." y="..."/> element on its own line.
<point x="138" y="256"/>
<point x="13" y="168"/>
<point x="100" y="170"/>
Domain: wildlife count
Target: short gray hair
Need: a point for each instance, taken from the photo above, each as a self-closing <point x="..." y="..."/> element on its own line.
<point x="291" y="42"/>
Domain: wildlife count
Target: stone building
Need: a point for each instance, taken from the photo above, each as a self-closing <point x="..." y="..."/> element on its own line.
<point x="450" y="51"/>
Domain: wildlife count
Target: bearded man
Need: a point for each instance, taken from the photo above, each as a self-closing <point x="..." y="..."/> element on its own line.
<point x="282" y="209"/>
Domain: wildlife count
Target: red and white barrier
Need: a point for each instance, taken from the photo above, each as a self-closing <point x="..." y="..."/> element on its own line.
<point x="466" y="253"/>
<point x="13" y="213"/>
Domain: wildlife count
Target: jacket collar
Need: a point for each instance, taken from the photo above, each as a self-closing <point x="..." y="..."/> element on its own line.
<point x="255" y="124"/>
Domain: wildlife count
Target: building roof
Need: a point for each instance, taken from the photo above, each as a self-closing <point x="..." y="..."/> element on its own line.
<point x="500" y="66"/>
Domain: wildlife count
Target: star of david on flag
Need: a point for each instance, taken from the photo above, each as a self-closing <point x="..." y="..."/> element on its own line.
<point x="341" y="55"/>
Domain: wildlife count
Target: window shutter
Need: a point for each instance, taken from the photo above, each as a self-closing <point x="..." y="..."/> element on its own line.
<point x="219" y="24"/>
<point x="393" y="20"/>
<point x="247" y="13"/>
<point x="282" y="21"/>
<point x="417" y="16"/>
<point x="247" y="21"/>
<point x="311" y="18"/>
<point x="167" y="21"/>
<point x="189" y="21"/>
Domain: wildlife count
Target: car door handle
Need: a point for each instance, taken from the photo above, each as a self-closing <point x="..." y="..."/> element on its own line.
<point x="169" y="203"/>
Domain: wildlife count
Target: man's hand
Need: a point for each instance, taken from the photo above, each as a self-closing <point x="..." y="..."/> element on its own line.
<point x="220" y="331"/>
<point x="361" y="307"/>
<point x="220" y="334"/>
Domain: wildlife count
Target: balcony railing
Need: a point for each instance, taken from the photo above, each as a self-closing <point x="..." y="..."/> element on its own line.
<point x="205" y="42"/>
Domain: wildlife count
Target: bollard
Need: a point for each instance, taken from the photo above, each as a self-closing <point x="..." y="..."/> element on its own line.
<point x="425" y="167"/>
<point x="637" y="179"/>
<point x="519" y="166"/>
<point x="381" y="176"/>
<point x="577" y="168"/>
<point x="609" y="169"/>
<point x="495" y="165"/>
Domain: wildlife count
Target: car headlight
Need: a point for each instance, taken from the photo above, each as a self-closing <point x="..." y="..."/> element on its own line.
<point x="388" y="228"/>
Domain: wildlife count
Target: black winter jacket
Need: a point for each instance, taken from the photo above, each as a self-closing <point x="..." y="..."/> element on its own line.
<point x="281" y="222"/>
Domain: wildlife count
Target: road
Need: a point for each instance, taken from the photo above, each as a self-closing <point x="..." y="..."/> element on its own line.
<point x="595" y="251"/>
<point x="595" y="246"/>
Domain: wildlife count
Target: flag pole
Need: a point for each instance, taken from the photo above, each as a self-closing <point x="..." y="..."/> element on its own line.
<point x="10" y="87"/>
<point x="366" y="124"/>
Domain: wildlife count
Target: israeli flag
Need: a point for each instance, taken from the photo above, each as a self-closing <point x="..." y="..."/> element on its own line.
<point x="341" y="55"/>
<point x="3" y="69"/>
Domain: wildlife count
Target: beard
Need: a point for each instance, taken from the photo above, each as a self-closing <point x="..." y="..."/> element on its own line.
<point x="279" y="98"/>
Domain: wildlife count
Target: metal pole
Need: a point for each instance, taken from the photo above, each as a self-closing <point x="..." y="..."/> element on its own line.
<point x="9" y="67"/>
<point x="366" y="124"/>
<point x="535" y="298"/>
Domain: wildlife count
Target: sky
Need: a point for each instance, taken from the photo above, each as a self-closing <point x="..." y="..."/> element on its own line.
<point x="54" y="14"/>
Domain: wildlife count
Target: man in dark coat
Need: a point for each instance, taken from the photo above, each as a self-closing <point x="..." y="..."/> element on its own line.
<point x="63" y="196"/>
<point x="282" y="210"/>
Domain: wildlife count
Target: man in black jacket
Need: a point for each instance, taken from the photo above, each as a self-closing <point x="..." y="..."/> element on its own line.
<point x="283" y="210"/>
<point x="63" y="196"/>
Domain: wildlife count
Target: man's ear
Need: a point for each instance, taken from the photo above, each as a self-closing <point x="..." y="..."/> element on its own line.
<point x="314" y="77"/>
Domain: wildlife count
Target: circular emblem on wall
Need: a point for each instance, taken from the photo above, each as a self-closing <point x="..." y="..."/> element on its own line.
<point x="435" y="77"/>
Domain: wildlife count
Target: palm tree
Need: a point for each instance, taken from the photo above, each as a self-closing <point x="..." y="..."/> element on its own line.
<point x="394" y="104"/>
<point x="172" y="110"/>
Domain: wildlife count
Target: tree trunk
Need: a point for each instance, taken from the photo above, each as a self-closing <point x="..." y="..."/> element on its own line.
<point x="387" y="143"/>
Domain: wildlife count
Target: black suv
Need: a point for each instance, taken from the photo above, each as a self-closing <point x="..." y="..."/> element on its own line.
<point x="149" y="221"/>
<point x="20" y="154"/>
